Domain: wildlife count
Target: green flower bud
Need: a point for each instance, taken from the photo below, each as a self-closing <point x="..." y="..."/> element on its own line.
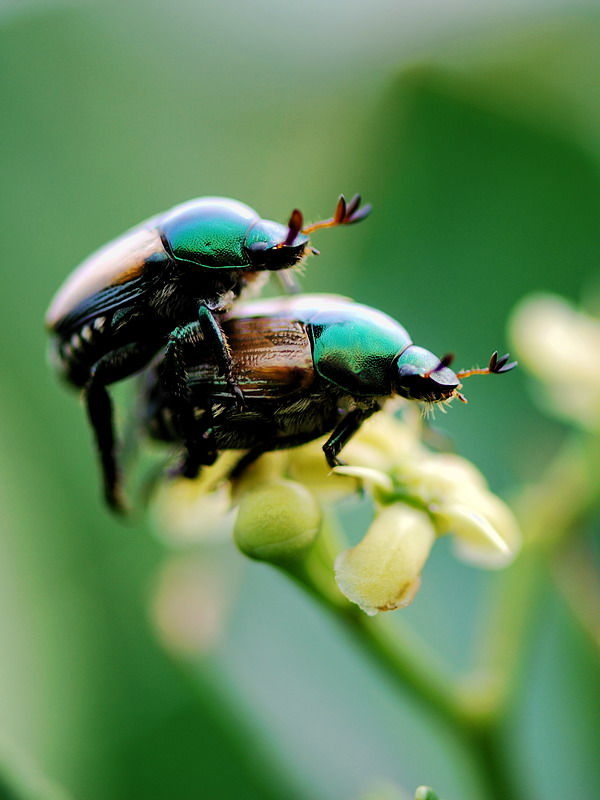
<point x="277" y="521"/>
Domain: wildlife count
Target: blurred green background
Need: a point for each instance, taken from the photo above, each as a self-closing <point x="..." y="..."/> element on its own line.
<point x="474" y="129"/>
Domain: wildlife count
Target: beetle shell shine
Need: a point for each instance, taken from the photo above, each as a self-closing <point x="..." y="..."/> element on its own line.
<point x="116" y="262"/>
<point x="209" y="231"/>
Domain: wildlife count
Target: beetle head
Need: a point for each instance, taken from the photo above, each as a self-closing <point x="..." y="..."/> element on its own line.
<point x="423" y="376"/>
<point x="272" y="246"/>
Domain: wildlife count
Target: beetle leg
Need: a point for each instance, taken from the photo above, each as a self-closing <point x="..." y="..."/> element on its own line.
<point x="344" y="431"/>
<point x="215" y="338"/>
<point x="111" y="368"/>
<point x="174" y="380"/>
<point x="204" y="452"/>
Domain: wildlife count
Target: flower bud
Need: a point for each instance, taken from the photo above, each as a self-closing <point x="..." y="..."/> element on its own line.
<point x="277" y="521"/>
<point x="382" y="572"/>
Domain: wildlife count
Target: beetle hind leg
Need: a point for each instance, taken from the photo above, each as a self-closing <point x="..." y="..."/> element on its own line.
<point x="111" y="368"/>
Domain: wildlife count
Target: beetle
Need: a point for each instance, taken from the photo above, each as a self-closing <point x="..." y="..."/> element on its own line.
<point x="166" y="280"/>
<point x="308" y="365"/>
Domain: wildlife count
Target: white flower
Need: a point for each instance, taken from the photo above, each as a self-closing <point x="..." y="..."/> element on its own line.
<point x="419" y="495"/>
<point x="455" y="495"/>
<point x="560" y="346"/>
<point x="485" y="530"/>
<point x="382" y="572"/>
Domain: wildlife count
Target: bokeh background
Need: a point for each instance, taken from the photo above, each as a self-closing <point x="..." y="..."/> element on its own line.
<point x="128" y="670"/>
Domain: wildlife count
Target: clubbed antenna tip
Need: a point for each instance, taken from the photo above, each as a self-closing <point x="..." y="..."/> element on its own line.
<point x="496" y="366"/>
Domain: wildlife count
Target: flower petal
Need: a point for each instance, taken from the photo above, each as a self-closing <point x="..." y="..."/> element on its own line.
<point x="437" y="477"/>
<point x="477" y="540"/>
<point x="367" y="475"/>
<point x="382" y="572"/>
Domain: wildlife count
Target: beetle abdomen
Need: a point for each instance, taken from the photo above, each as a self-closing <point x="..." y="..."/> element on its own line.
<point x="116" y="263"/>
<point x="74" y="355"/>
<point x="271" y="358"/>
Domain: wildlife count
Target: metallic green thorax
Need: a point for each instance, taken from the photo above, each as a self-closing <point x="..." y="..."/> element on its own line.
<point x="220" y="233"/>
<point x="355" y="350"/>
<point x="208" y="231"/>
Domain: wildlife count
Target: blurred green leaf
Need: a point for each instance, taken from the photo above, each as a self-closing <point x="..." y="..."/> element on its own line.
<point x="20" y="779"/>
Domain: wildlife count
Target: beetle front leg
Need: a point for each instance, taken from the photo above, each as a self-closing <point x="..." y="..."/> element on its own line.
<point x="344" y="431"/>
<point x="111" y="368"/>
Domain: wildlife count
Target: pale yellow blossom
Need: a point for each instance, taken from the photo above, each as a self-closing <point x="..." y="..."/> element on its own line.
<point x="560" y="345"/>
<point x="383" y="571"/>
<point x="419" y="495"/>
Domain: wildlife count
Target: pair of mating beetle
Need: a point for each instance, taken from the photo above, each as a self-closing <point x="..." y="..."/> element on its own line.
<point x="257" y="375"/>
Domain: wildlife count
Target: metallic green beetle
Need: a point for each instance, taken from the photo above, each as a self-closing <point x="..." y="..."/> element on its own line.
<point x="162" y="283"/>
<point x="308" y="365"/>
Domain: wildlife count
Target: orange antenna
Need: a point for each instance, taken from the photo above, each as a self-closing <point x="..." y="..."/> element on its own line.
<point x="496" y="366"/>
<point x="344" y="214"/>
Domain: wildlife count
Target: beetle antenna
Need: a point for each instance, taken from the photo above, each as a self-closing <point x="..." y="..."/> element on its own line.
<point x="344" y="214"/>
<point x="295" y="223"/>
<point x="496" y="366"/>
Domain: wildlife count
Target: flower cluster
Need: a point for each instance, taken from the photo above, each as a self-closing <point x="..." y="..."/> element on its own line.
<point x="418" y="495"/>
<point x="559" y="345"/>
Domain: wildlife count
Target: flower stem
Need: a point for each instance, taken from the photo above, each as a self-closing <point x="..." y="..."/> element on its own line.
<point x="549" y="513"/>
<point x="477" y="720"/>
<point x="413" y="672"/>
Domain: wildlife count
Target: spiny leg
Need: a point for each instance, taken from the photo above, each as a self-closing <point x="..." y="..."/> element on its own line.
<point x="344" y="431"/>
<point x="182" y="349"/>
<point x="111" y="368"/>
<point x="215" y="339"/>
